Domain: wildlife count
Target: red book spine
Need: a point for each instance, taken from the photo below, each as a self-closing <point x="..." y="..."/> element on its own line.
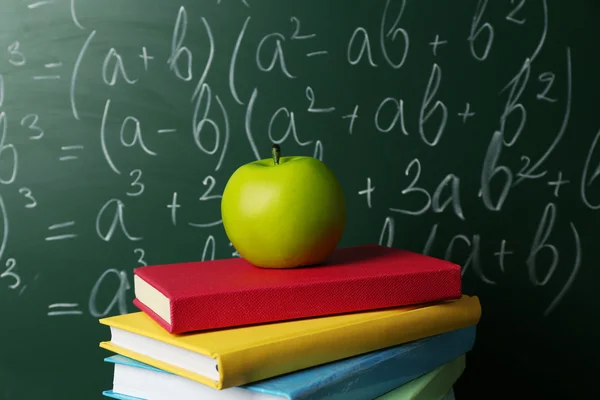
<point x="304" y="301"/>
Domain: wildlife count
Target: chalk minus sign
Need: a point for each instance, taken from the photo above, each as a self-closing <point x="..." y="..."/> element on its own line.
<point x="45" y="77"/>
<point x="317" y="53"/>
<point x="65" y="305"/>
<point x="55" y="313"/>
<point x="167" y="130"/>
<point x="61" y="225"/>
<point x="61" y="237"/>
<point x="39" y="4"/>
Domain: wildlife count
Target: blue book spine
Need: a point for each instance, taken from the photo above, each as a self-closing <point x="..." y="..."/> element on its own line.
<point x="119" y="396"/>
<point x="373" y="374"/>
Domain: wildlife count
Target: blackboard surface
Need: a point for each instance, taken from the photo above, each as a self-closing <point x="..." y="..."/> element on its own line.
<point x="465" y="130"/>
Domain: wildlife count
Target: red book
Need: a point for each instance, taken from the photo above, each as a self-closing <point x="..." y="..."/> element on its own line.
<point x="196" y="296"/>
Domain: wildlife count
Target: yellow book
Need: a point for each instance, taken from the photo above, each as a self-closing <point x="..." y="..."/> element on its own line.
<point x="233" y="357"/>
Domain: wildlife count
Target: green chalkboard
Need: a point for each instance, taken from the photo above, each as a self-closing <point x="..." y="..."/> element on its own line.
<point x="467" y="130"/>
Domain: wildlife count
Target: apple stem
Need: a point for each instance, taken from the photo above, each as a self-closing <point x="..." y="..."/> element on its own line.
<point x="276" y="151"/>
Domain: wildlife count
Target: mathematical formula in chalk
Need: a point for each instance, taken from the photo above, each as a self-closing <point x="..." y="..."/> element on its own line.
<point x="141" y="134"/>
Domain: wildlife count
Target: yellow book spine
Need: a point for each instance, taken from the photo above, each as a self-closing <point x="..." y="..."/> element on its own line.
<point x="239" y="367"/>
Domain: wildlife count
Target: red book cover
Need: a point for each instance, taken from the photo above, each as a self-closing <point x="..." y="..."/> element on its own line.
<point x="196" y="296"/>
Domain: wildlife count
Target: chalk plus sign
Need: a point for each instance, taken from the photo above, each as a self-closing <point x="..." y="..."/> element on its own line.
<point x="144" y="56"/>
<point x="558" y="183"/>
<point x="368" y="192"/>
<point x="174" y="206"/>
<point x="352" y="117"/>
<point x="467" y="114"/>
<point x="503" y="252"/>
<point x="235" y="253"/>
<point x="436" y="43"/>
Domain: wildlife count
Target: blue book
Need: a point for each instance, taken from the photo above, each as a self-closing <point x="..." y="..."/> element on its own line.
<point x="434" y="385"/>
<point x="357" y="378"/>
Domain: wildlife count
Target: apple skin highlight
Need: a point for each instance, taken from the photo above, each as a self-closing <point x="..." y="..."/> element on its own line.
<point x="284" y="212"/>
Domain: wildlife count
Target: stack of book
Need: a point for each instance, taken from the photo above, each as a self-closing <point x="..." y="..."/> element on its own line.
<point x="371" y="322"/>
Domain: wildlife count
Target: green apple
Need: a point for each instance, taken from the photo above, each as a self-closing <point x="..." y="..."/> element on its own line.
<point x="284" y="212"/>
